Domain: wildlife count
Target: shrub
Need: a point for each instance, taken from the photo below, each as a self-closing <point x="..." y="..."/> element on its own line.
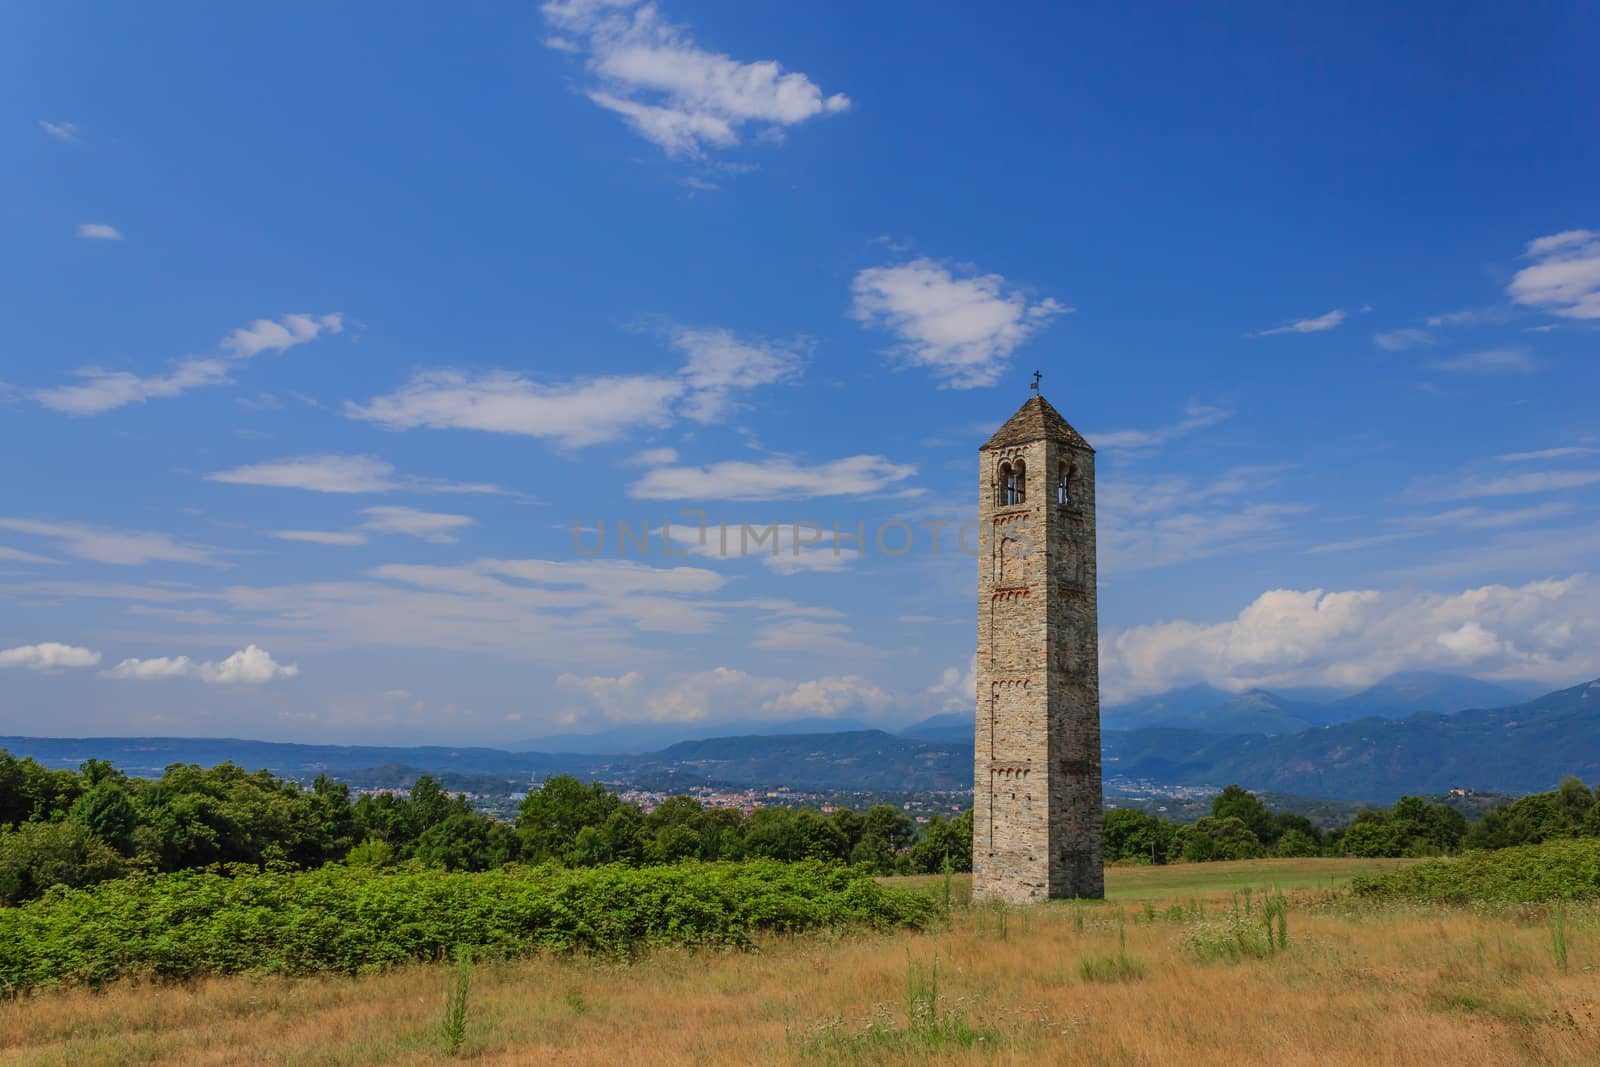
<point x="1555" y="870"/>
<point x="348" y="920"/>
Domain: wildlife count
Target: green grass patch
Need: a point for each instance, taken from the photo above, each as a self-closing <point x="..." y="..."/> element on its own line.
<point x="1554" y="870"/>
<point x="349" y="921"/>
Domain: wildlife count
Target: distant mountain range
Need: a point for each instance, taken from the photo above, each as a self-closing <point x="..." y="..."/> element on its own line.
<point x="1515" y="748"/>
<point x="1259" y="711"/>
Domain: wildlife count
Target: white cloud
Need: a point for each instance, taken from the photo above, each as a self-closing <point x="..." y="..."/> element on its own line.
<point x="674" y="93"/>
<point x="61" y="131"/>
<point x="963" y="329"/>
<point x="586" y="412"/>
<point x="1155" y="522"/>
<point x="787" y="548"/>
<point x="187" y="616"/>
<point x="656" y="457"/>
<point x="957" y="690"/>
<point x="1490" y="361"/>
<point x="338" y="474"/>
<point x="1548" y="453"/>
<point x="1196" y="417"/>
<point x="567" y="613"/>
<point x="771" y="479"/>
<point x="264" y="335"/>
<point x="248" y="666"/>
<point x="344" y="538"/>
<point x="104" y="390"/>
<point x="1469" y="317"/>
<point x="1315" y="325"/>
<point x="1565" y="276"/>
<point x="99" y="231"/>
<point x="48" y="656"/>
<point x="1469" y="486"/>
<point x="1545" y="630"/>
<point x="719" y="362"/>
<point x="723" y="693"/>
<point x="121" y="547"/>
<point x="16" y="555"/>
<point x="431" y="526"/>
<point x="1400" y="340"/>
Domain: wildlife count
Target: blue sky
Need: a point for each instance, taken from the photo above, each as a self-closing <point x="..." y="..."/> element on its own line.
<point x="326" y="326"/>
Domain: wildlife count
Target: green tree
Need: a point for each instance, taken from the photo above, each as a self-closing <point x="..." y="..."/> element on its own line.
<point x="108" y="810"/>
<point x="944" y="840"/>
<point x="1134" y="836"/>
<point x="1371" y="838"/>
<point x="1295" y="842"/>
<point x="1217" y="838"/>
<point x="1239" y="803"/>
<point x="550" y="817"/>
<point x="38" y="855"/>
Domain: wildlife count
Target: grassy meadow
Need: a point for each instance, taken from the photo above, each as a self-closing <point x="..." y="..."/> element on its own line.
<point x="1256" y="962"/>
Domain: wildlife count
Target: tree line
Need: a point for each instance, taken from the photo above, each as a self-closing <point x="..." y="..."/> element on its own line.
<point x="64" y="827"/>
<point x="1240" y="827"/>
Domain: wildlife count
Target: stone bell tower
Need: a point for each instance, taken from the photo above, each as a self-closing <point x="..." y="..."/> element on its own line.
<point x="1036" y="787"/>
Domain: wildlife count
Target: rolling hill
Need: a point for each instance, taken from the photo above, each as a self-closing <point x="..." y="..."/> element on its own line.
<point x="1519" y="748"/>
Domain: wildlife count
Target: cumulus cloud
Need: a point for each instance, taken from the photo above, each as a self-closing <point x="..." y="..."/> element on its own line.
<point x="339" y="474"/>
<point x="1195" y="417"/>
<point x="671" y="91"/>
<point x="61" y="131"/>
<point x="1491" y="361"/>
<point x="1564" y="277"/>
<point x="265" y="335"/>
<point x="120" y="547"/>
<point x="961" y="328"/>
<point x="99" y="231"/>
<point x="772" y="479"/>
<point x="957" y="690"/>
<point x="48" y="656"/>
<point x="1545" y="630"/>
<point x="104" y="390"/>
<point x="1313" y="325"/>
<point x="248" y="666"/>
<point x="656" y="457"/>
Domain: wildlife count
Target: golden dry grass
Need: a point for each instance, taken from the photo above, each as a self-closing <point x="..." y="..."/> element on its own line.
<point x="1357" y="985"/>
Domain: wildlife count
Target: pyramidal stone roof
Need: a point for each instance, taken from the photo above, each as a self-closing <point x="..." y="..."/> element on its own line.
<point x="1035" y="421"/>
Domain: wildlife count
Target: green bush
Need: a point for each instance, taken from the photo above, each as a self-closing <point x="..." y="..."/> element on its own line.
<point x="345" y="920"/>
<point x="1555" y="870"/>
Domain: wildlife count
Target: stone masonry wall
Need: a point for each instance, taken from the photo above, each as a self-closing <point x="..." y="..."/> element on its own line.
<point x="1036" y="788"/>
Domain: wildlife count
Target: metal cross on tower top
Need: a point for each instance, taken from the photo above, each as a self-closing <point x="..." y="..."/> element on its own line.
<point x="1035" y="385"/>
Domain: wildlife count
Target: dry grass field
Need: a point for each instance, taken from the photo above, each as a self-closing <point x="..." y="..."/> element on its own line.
<point x="1172" y="969"/>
